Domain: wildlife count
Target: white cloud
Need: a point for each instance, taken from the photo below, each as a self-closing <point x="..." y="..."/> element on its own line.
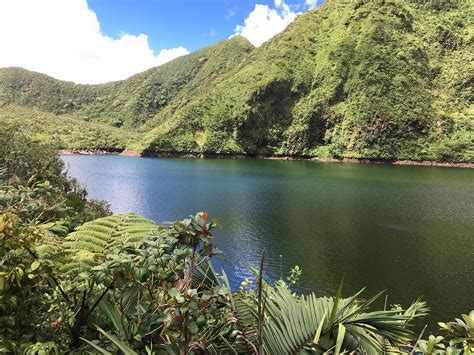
<point x="63" y="39"/>
<point x="311" y="4"/>
<point x="265" y="22"/>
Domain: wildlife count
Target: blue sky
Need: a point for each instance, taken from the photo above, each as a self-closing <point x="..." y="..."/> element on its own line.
<point x="97" y="41"/>
<point x="171" y="23"/>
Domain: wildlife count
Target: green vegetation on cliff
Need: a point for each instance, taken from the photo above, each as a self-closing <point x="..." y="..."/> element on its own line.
<point x="352" y="79"/>
<point x="363" y="79"/>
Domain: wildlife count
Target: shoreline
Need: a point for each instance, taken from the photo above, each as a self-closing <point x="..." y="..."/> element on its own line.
<point x="133" y="153"/>
<point x="74" y="151"/>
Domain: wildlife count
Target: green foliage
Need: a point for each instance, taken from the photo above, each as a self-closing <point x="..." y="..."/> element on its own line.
<point x="34" y="216"/>
<point x="164" y="288"/>
<point x="459" y="338"/>
<point x="4" y="178"/>
<point x="25" y="158"/>
<point x="361" y="79"/>
<point x="21" y="287"/>
<point x="65" y="131"/>
<point x="28" y="274"/>
<point x="295" y="274"/>
<point x="364" y="79"/>
<point x="310" y="324"/>
<point x="89" y="244"/>
<point x="461" y="329"/>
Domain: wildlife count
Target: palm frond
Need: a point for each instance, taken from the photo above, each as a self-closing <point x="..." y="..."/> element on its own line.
<point x="124" y="348"/>
<point x="297" y="324"/>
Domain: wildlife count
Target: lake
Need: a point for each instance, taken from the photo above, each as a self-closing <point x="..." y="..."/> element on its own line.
<point x="406" y="229"/>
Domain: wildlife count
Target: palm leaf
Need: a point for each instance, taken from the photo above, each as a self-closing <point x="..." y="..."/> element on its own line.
<point x="296" y="324"/>
<point x="118" y="343"/>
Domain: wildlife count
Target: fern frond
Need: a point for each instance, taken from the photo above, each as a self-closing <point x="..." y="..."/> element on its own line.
<point x="3" y="175"/>
<point x="89" y="244"/>
<point x="50" y="246"/>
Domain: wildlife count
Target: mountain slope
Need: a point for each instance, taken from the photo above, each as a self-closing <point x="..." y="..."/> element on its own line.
<point x="65" y="131"/>
<point x="370" y="79"/>
<point x="126" y="103"/>
<point x="385" y="79"/>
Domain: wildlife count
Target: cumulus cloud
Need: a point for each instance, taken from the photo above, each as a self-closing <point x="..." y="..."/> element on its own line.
<point x="264" y="22"/>
<point x="63" y="39"/>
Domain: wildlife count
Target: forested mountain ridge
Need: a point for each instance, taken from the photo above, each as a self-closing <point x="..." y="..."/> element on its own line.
<point x="127" y="103"/>
<point x="354" y="79"/>
<point x="366" y="79"/>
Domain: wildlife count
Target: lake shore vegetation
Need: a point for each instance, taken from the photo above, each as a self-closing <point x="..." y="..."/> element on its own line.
<point x="75" y="278"/>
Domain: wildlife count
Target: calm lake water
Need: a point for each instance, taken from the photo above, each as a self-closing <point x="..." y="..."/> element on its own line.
<point x="409" y="230"/>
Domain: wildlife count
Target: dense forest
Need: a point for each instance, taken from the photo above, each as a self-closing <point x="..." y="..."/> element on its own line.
<point x="76" y="279"/>
<point x="356" y="79"/>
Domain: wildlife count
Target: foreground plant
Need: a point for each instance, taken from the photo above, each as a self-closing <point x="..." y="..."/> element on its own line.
<point x="34" y="217"/>
<point x="164" y="291"/>
<point x="459" y="338"/>
<point x="309" y="324"/>
<point x="122" y="283"/>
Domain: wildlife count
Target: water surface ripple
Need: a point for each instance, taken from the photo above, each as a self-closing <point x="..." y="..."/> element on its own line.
<point x="406" y="229"/>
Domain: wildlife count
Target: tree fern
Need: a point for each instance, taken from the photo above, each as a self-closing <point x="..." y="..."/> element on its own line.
<point x="91" y="242"/>
<point x="3" y="175"/>
<point x="51" y="247"/>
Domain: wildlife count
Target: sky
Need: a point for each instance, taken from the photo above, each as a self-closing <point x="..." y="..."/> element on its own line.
<point x="97" y="41"/>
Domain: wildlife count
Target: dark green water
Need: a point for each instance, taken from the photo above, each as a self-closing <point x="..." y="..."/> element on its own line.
<point x="409" y="230"/>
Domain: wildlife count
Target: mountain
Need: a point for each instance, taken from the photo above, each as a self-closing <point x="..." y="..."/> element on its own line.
<point x="388" y="79"/>
<point x="374" y="79"/>
<point x="127" y="103"/>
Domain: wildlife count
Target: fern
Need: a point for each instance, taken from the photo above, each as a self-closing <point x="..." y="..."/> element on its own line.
<point x="3" y="175"/>
<point x="51" y="247"/>
<point x="91" y="242"/>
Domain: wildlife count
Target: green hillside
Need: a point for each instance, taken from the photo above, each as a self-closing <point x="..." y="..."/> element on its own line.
<point x="64" y="131"/>
<point x="365" y="79"/>
<point x="352" y="79"/>
<point x="127" y="103"/>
